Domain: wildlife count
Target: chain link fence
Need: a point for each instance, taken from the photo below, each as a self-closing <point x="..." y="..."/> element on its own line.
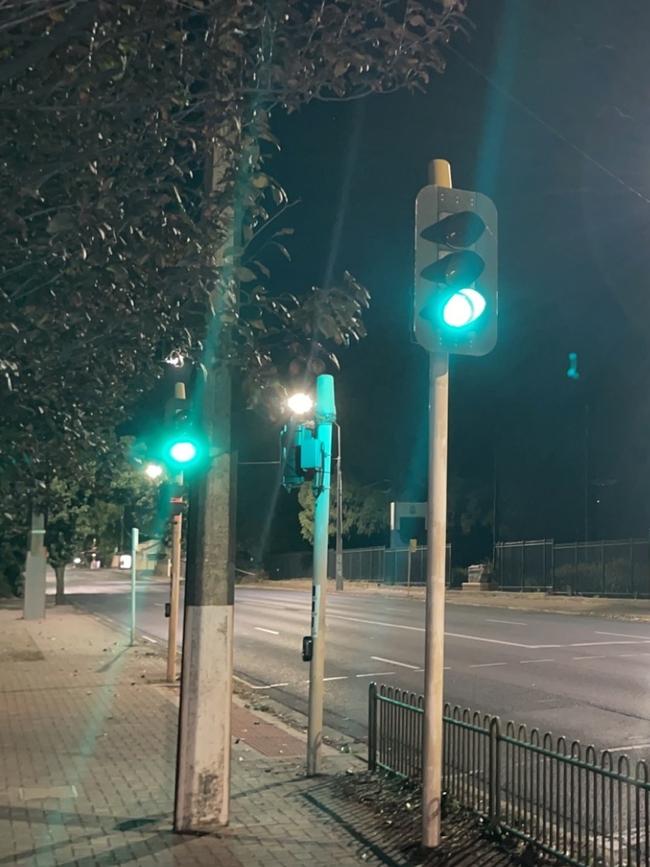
<point x="608" y="568"/>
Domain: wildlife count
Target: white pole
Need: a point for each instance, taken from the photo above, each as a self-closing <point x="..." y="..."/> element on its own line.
<point x="325" y="416"/>
<point x="440" y="174"/>
<point x="134" y="551"/>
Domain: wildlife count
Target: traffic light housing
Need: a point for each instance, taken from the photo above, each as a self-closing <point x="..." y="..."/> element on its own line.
<point x="455" y="297"/>
<point x="302" y="456"/>
<point x="183" y="446"/>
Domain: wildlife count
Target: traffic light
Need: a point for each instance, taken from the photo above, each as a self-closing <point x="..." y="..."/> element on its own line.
<point x="183" y="447"/>
<point x="302" y="456"/>
<point x="455" y="298"/>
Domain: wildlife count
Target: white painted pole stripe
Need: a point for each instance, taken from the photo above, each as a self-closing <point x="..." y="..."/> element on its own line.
<point x="395" y="662"/>
<point x="270" y="631"/>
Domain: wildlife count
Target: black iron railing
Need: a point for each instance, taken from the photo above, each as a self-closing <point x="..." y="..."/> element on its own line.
<point x="590" y="808"/>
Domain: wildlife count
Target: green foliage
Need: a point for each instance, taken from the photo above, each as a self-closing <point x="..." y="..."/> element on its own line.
<point x="135" y="202"/>
<point x="365" y="511"/>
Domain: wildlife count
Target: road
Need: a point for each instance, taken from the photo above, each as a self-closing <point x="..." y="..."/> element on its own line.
<point x="582" y="677"/>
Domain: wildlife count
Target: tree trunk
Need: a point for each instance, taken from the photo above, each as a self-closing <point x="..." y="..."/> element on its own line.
<point x="59" y="571"/>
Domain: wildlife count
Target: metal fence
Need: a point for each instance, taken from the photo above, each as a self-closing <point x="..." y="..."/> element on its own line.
<point x="586" y="807"/>
<point x="383" y="565"/>
<point x="608" y="568"/>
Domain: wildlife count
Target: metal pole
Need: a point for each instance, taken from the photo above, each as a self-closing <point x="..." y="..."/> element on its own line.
<point x="175" y="572"/>
<point x="408" y="570"/>
<point x="174" y="597"/>
<point x="325" y="416"/>
<point x="339" y="513"/>
<point x="586" y="493"/>
<point x="134" y="551"/>
<point x="440" y="174"/>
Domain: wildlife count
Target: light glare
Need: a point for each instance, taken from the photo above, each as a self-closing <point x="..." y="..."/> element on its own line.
<point x="153" y="471"/>
<point x="463" y="307"/>
<point x="300" y="403"/>
<point x="183" y="452"/>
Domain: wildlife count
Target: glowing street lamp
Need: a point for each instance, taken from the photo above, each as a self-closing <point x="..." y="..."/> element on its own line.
<point x="300" y="403"/>
<point x="153" y="471"/>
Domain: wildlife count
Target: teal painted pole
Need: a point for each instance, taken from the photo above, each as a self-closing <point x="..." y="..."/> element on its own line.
<point x="325" y="417"/>
<point x="134" y="550"/>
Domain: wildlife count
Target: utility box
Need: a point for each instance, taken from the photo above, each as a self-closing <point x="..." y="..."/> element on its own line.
<point x="479" y="578"/>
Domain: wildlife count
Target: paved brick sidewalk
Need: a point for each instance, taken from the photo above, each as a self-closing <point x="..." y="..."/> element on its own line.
<point x="87" y="748"/>
<point x="87" y="741"/>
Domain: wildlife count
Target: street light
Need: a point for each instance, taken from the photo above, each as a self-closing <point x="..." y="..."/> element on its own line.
<point x="153" y="471"/>
<point x="300" y="403"/>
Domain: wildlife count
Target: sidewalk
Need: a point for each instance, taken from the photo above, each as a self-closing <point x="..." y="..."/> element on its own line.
<point x="87" y="747"/>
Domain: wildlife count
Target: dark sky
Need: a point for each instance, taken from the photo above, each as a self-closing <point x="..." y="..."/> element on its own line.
<point x="545" y="109"/>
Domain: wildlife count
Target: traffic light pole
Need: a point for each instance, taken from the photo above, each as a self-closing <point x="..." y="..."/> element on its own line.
<point x="174" y="597"/>
<point x="175" y="576"/>
<point x="325" y="417"/>
<point x="439" y="174"/>
<point x="339" y="514"/>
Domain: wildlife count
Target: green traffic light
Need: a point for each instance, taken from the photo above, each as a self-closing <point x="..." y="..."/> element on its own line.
<point x="463" y="308"/>
<point x="183" y="451"/>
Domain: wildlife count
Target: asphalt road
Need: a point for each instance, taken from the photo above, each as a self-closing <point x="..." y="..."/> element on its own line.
<point x="582" y="677"/>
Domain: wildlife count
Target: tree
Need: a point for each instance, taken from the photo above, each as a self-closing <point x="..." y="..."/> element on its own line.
<point x="121" y="247"/>
<point x="91" y="510"/>
<point x="67" y="507"/>
<point x="365" y="511"/>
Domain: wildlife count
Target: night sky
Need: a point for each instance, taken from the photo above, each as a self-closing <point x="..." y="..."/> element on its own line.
<point x="545" y="109"/>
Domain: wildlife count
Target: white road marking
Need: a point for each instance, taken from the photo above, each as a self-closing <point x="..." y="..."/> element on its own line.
<point x="269" y="685"/>
<point x="159" y="604"/>
<point x="588" y="657"/>
<point x="339" y="677"/>
<point x="262" y="629"/>
<point x="628" y="747"/>
<point x="624" y="635"/>
<point x="375" y="674"/>
<point x="395" y="662"/>
<point x="597" y="643"/>
<point x="151" y="640"/>
<point x="375" y="622"/>
<point x="487" y="664"/>
<point x="509" y="622"/>
<point x="526" y="661"/>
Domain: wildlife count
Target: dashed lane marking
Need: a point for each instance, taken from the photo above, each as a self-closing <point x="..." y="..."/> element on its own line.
<point x="624" y="635"/>
<point x="395" y="662"/>
<point x="263" y="629"/>
<point x="487" y="664"/>
<point x="375" y="674"/>
<point x="151" y="640"/>
<point x="527" y="661"/>
<point x="628" y="747"/>
<point x="577" y="658"/>
<point x="508" y="622"/>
